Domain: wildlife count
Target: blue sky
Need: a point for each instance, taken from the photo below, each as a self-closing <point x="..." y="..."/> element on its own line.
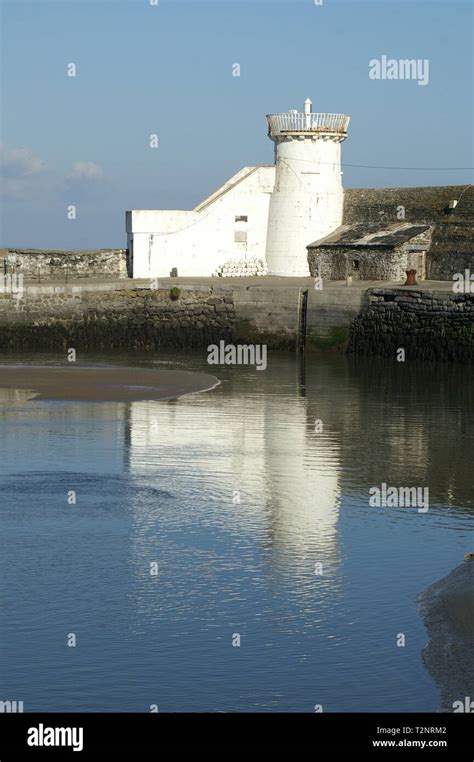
<point x="167" y="69"/>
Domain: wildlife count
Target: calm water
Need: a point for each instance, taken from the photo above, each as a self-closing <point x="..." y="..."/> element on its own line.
<point x="236" y="498"/>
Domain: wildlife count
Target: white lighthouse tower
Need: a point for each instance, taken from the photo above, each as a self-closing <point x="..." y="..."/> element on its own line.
<point x="307" y="200"/>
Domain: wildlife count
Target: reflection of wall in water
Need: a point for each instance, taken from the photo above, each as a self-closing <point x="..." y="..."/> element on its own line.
<point x="405" y="424"/>
<point x="261" y="446"/>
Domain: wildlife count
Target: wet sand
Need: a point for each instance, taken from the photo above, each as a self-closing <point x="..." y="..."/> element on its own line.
<point x="103" y="384"/>
<point x="448" y="611"/>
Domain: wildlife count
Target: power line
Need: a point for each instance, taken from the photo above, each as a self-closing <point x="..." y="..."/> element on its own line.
<point x="378" y="166"/>
<point x="417" y="169"/>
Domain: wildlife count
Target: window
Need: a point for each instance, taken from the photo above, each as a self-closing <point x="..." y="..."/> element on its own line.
<point x="242" y="218"/>
<point x="240" y="236"/>
<point x="355" y="264"/>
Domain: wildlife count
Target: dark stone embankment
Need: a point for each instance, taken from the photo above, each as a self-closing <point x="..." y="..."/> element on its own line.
<point x="114" y="318"/>
<point x="448" y="611"/>
<point x="429" y="321"/>
<point x="180" y="314"/>
<point x="433" y="326"/>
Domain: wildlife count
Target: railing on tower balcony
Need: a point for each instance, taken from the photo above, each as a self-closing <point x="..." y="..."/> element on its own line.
<point x="298" y="122"/>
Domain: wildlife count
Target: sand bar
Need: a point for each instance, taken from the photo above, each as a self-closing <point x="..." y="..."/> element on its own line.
<point x="103" y="384"/>
<point x="448" y="610"/>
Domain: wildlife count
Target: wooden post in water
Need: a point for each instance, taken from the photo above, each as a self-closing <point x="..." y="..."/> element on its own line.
<point x="302" y="319"/>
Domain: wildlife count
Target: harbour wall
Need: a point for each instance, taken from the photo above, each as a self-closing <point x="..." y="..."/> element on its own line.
<point x="430" y="322"/>
<point x="131" y="315"/>
<point x="426" y="325"/>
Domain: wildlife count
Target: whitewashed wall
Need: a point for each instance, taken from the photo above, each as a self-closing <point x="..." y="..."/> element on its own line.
<point x="197" y="242"/>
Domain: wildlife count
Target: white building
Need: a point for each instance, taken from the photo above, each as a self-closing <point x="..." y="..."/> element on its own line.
<point x="271" y="213"/>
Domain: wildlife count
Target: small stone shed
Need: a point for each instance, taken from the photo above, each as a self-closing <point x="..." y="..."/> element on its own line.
<point x="371" y="252"/>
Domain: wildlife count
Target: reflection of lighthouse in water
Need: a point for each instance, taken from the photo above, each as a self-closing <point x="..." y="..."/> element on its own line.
<point x="247" y="463"/>
<point x="302" y="472"/>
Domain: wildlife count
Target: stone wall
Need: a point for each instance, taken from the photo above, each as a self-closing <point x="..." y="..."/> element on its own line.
<point x="427" y="325"/>
<point x="132" y="315"/>
<point x="421" y="205"/>
<point x="370" y="262"/>
<point x="52" y="265"/>
<point x="129" y="318"/>
<point x="452" y="246"/>
<point x="271" y="314"/>
<point x="332" y="263"/>
<point x="331" y="312"/>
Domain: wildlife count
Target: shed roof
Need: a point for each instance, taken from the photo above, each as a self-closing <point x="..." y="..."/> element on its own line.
<point x="370" y="235"/>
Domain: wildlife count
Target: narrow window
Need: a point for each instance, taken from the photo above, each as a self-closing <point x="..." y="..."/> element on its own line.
<point x="242" y="218"/>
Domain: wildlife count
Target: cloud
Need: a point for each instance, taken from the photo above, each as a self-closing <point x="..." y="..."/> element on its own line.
<point x="84" y="171"/>
<point x="19" y="169"/>
<point x="84" y="182"/>
<point x="20" y="162"/>
<point x="24" y="176"/>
